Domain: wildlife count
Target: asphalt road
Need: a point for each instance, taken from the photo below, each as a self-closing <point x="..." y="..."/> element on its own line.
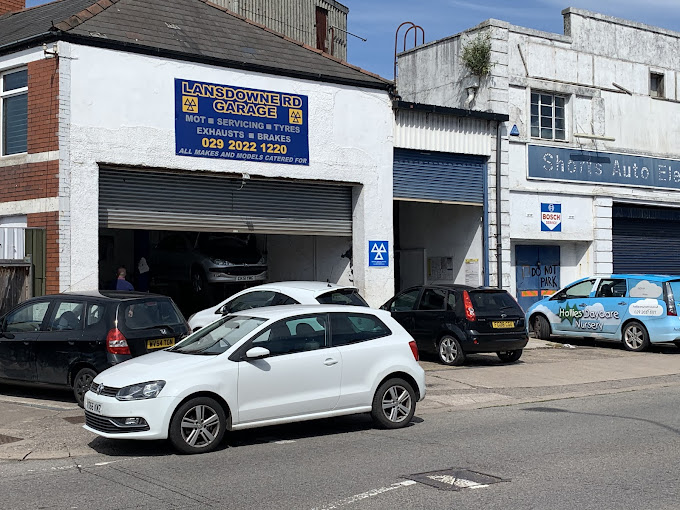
<point x="615" y="451"/>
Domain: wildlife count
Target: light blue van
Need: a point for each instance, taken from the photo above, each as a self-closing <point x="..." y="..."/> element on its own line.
<point x="634" y="309"/>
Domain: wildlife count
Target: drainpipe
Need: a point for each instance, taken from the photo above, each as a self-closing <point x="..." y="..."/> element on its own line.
<point x="499" y="239"/>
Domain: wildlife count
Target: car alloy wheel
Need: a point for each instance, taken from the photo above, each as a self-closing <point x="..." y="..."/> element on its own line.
<point x="81" y="384"/>
<point x="394" y="404"/>
<point x="450" y="351"/>
<point x="198" y="426"/>
<point x="635" y="337"/>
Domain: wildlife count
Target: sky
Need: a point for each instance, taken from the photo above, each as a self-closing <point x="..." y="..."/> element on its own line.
<point x="377" y="20"/>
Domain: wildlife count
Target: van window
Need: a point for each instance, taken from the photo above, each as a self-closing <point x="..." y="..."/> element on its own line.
<point x="580" y="290"/>
<point x="612" y="288"/>
<point x="645" y="289"/>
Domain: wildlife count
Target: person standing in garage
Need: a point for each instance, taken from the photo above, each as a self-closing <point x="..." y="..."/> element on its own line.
<point x="121" y="282"/>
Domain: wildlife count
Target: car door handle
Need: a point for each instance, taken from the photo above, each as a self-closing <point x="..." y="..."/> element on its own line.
<point x="582" y="304"/>
<point x="621" y="303"/>
<point x="330" y="361"/>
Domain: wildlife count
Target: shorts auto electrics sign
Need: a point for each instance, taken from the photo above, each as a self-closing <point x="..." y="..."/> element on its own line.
<point x="227" y="122"/>
<point x="551" y="217"/>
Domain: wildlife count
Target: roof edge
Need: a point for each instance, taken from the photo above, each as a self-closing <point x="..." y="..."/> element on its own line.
<point x="84" y="15"/>
<point x="387" y="86"/>
<point x="447" y="110"/>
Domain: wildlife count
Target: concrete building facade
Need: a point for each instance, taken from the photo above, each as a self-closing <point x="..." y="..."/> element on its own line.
<point x="590" y="173"/>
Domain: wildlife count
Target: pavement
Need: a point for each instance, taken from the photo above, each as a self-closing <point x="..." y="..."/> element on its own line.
<point x="47" y="424"/>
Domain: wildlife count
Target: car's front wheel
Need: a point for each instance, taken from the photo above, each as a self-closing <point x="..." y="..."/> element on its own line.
<point x="509" y="356"/>
<point x="542" y="328"/>
<point x="198" y="426"/>
<point x="81" y="383"/>
<point x="635" y="337"/>
<point x="394" y="404"/>
<point x="449" y="351"/>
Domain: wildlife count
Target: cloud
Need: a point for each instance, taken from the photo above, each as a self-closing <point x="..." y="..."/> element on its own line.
<point x="646" y="289"/>
<point x="597" y="313"/>
<point x="552" y="318"/>
<point x="646" y="308"/>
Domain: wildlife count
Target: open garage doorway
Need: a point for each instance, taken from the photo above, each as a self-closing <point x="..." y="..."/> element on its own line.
<point x="200" y="238"/>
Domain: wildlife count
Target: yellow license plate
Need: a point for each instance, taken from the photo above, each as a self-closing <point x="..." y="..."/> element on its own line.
<point x="503" y="324"/>
<point x="160" y="343"/>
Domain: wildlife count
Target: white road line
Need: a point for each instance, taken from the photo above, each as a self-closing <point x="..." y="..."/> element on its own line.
<point x="366" y="495"/>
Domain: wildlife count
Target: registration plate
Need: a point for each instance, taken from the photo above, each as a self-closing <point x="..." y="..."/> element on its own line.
<point x="93" y="407"/>
<point x="244" y="278"/>
<point x="502" y="324"/>
<point x="160" y="343"/>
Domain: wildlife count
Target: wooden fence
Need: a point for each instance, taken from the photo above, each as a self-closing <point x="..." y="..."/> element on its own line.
<point x="15" y="283"/>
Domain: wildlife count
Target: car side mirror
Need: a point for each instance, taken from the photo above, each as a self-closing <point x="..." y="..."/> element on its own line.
<point x="257" y="353"/>
<point x="224" y="310"/>
<point x="559" y="296"/>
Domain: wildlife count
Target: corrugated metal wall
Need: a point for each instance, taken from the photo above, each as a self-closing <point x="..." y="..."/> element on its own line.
<point x="295" y="18"/>
<point x="442" y="133"/>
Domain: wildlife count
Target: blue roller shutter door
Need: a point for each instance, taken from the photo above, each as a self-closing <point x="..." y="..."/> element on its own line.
<point x="438" y="176"/>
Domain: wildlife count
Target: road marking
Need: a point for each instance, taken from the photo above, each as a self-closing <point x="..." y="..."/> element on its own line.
<point x="366" y="495"/>
<point x="284" y="441"/>
<point x="458" y="482"/>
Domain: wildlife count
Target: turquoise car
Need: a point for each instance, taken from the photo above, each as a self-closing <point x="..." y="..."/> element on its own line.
<point x="634" y="309"/>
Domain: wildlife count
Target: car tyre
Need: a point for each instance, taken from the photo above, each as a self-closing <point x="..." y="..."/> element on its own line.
<point x="198" y="426"/>
<point x="394" y="404"/>
<point x="677" y="343"/>
<point x="81" y="384"/>
<point x="509" y="356"/>
<point x="635" y="337"/>
<point x="449" y="351"/>
<point x="541" y="328"/>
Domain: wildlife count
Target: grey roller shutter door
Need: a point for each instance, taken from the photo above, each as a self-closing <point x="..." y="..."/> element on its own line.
<point x="439" y="177"/>
<point x="132" y="199"/>
<point x="645" y="240"/>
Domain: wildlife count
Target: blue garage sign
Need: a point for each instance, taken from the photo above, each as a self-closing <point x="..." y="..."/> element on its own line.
<point x="563" y="164"/>
<point x="378" y="254"/>
<point x="228" y="122"/>
<point x="551" y="217"/>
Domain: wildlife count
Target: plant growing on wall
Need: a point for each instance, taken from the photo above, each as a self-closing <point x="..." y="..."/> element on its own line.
<point x="477" y="55"/>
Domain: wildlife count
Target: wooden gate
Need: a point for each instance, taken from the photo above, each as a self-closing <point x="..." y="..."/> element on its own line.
<point x="15" y="283"/>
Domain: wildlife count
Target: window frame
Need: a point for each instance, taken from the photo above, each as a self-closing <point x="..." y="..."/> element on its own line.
<point x="5" y="95"/>
<point x="659" y="92"/>
<point x="388" y="331"/>
<point x="553" y="115"/>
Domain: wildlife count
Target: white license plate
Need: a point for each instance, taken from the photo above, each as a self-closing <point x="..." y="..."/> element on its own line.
<point x="93" y="407"/>
<point x="244" y="278"/>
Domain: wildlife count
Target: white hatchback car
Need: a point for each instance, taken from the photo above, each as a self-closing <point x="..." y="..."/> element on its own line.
<point x="258" y="367"/>
<point x="279" y="293"/>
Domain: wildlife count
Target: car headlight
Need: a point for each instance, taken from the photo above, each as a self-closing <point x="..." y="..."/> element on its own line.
<point x="140" y="391"/>
<point x="262" y="261"/>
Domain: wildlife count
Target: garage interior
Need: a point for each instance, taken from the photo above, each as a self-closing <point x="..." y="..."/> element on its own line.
<point x="179" y="222"/>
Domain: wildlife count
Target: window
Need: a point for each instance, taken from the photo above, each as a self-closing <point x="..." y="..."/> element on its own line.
<point x="580" y="290"/>
<point x="612" y="288"/>
<point x="151" y="314"/>
<point x="493" y="301"/>
<point x="352" y="328"/>
<point x="342" y="297"/>
<point x="219" y="336"/>
<point x="547" y="116"/>
<point x="433" y="299"/>
<point x="27" y="318"/>
<point x="14" y="112"/>
<point x="656" y="85"/>
<point x="297" y="334"/>
<point x="95" y="313"/>
<point x="405" y="302"/>
<point x="321" y="28"/>
<point x="256" y="299"/>
<point x="67" y="317"/>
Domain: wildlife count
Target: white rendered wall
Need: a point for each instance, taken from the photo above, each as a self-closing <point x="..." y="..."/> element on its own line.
<point x="122" y="113"/>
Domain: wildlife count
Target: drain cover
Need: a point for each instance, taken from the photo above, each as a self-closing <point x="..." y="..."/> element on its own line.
<point x="77" y="420"/>
<point x="9" y="439"/>
<point x="455" y="479"/>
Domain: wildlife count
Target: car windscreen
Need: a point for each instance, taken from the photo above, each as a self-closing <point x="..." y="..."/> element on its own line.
<point x="150" y="313"/>
<point x="218" y="336"/>
<point x="491" y="302"/>
<point x="342" y="297"/>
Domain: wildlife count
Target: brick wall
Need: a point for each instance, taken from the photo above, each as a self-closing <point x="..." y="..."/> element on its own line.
<point x="50" y="222"/>
<point x="43" y="105"/>
<point x="11" y="6"/>
<point x="29" y="181"/>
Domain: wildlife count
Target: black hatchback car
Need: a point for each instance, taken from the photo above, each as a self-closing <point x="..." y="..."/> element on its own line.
<point x="454" y="320"/>
<point x="67" y="339"/>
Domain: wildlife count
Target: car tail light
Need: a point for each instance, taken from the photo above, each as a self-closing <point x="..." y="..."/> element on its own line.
<point x="469" y="309"/>
<point x="116" y="343"/>
<point x="414" y="349"/>
<point x="670" y="300"/>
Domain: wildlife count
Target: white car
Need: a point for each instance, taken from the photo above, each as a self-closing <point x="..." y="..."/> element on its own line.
<point x="279" y="293"/>
<point x="258" y="367"/>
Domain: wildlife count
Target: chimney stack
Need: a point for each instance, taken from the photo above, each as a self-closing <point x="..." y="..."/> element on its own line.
<point x="11" y="6"/>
